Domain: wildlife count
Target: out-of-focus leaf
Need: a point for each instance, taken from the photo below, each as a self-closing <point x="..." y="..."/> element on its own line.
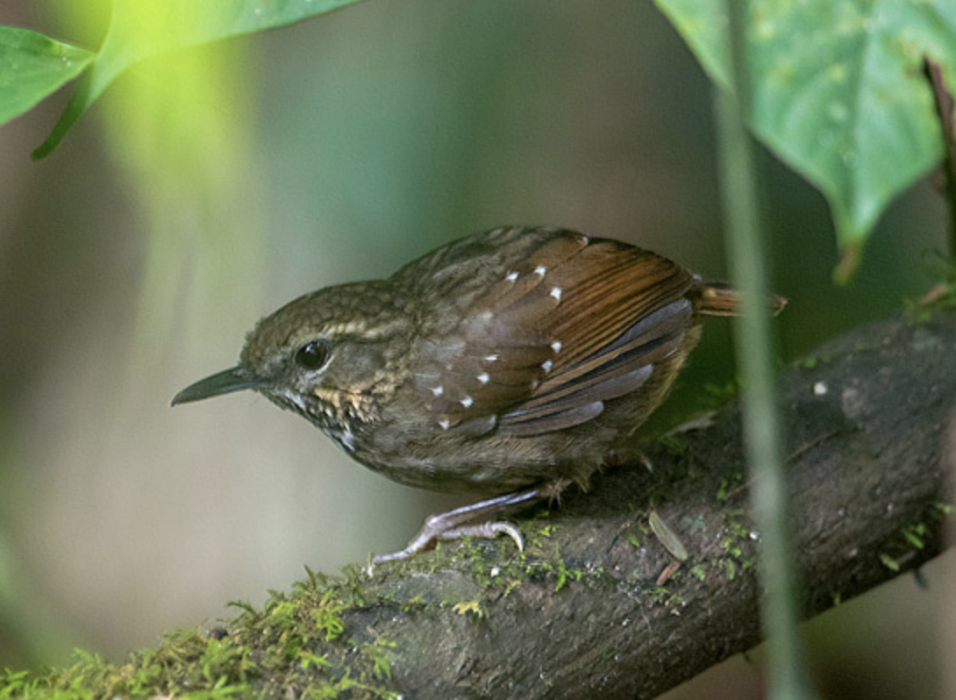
<point x="142" y="29"/>
<point x="837" y="92"/>
<point x="33" y="66"/>
<point x="670" y="539"/>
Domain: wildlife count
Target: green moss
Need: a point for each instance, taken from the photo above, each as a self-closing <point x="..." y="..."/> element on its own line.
<point x="915" y="535"/>
<point x="507" y="569"/>
<point x="298" y="642"/>
<point x="561" y="571"/>
<point x="942" y="509"/>
<point x="661" y="595"/>
<point x="473" y="608"/>
<point x="326" y="615"/>
<point x="736" y="542"/>
<point x="693" y="525"/>
<point x="379" y="653"/>
<point x="535" y="540"/>
<point x="632" y="538"/>
<point x="889" y="562"/>
<point x="16" y="683"/>
<point x="502" y="573"/>
<point x="729" y="568"/>
<point x="416" y="604"/>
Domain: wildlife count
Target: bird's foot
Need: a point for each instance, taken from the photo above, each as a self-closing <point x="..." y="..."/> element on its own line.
<point x="458" y="523"/>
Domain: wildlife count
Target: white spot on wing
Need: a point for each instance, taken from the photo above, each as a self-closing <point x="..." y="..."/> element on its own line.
<point x="540" y="270"/>
<point x="546" y="365"/>
<point x="556" y="293"/>
<point x="491" y="358"/>
<point x="556" y="346"/>
<point x="467" y="401"/>
<point x="511" y="276"/>
<point x="438" y="390"/>
<point x="444" y="423"/>
<point x="484" y="377"/>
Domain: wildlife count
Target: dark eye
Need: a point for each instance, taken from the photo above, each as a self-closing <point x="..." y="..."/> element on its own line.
<point x="313" y="354"/>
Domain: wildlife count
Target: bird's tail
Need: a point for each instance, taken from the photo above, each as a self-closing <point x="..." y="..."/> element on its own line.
<point x="722" y="300"/>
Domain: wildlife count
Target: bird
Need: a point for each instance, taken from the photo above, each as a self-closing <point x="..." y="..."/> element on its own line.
<point x="507" y="364"/>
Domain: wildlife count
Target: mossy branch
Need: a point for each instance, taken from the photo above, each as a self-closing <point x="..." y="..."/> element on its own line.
<point x="594" y="606"/>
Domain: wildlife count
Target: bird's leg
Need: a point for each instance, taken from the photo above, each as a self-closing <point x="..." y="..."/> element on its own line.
<point x="455" y="523"/>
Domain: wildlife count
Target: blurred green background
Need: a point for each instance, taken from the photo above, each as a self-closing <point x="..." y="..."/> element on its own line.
<point x="207" y="189"/>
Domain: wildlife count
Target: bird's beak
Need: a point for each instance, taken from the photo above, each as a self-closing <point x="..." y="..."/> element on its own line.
<point x="225" y="382"/>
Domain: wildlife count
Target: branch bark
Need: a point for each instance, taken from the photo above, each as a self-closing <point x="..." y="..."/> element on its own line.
<point x="870" y="424"/>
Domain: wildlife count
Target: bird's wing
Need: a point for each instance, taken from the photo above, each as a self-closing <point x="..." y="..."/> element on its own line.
<point x="577" y="322"/>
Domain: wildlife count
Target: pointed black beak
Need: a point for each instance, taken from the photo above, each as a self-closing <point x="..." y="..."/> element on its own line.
<point x="225" y="382"/>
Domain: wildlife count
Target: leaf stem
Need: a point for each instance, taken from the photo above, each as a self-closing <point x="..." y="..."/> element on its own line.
<point x="787" y="677"/>
<point x="943" y="99"/>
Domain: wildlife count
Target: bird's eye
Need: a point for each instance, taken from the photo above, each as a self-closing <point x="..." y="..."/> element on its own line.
<point x="313" y="354"/>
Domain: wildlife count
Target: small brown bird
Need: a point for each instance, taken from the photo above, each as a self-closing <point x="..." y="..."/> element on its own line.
<point x="508" y="362"/>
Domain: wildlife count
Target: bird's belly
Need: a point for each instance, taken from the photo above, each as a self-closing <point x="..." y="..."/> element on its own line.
<point x="490" y="465"/>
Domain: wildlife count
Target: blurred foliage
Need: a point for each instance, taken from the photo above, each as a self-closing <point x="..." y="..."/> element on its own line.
<point x="34" y="66"/>
<point x="838" y="93"/>
<point x="138" y="31"/>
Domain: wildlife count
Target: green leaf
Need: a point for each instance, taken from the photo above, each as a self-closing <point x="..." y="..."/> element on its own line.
<point x="838" y="92"/>
<point x="142" y="29"/>
<point x="33" y="66"/>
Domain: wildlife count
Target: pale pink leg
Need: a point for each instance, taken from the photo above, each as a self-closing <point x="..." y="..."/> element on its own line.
<point x="454" y="524"/>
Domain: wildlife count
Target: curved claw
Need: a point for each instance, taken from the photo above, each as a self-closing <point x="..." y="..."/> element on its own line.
<point x="487" y="530"/>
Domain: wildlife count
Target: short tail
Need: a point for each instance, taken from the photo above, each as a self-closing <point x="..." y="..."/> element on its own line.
<point x="721" y="300"/>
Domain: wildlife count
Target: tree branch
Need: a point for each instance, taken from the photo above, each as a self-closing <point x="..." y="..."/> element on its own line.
<point x="869" y="421"/>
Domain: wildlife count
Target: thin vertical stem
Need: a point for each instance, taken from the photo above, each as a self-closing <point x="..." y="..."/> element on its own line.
<point x="943" y="99"/>
<point x="754" y="351"/>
